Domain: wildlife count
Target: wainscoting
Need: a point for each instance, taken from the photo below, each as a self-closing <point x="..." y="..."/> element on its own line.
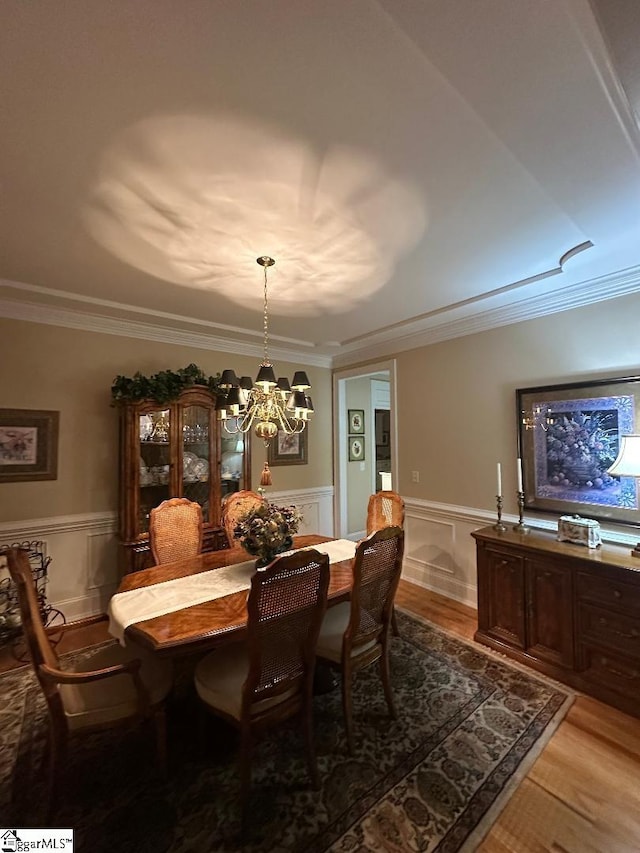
<point x="84" y="571"/>
<point x="439" y="550"/>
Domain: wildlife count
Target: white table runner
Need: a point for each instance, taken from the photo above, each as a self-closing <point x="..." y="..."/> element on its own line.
<point x="136" y="605"/>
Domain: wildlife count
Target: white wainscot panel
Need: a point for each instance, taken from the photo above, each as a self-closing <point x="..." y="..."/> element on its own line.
<point x="83" y="573"/>
<point x="316" y="506"/>
<point x="440" y="552"/>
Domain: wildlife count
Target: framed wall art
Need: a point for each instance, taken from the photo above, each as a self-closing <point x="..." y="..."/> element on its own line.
<point x="356" y="421"/>
<point x="356" y="448"/>
<point x="286" y="449"/>
<point x="28" y="445"/>
<point x="568" y="437"/>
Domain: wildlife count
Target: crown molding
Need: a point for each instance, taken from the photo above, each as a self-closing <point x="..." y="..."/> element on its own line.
<point x="379" y="344"/>
<point x="164" y="333"/>
<point x="603" y="288"/>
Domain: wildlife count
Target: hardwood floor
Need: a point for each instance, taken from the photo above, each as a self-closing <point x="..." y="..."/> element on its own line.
<point x="582" y="795"/>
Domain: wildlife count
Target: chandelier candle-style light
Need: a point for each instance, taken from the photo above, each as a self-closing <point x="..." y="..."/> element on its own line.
<point x="268" y="404"/>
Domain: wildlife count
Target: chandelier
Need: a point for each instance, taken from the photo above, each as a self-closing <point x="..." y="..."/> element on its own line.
<point x="268" y="404"/>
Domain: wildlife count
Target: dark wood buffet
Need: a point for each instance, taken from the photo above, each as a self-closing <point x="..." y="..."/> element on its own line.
<point x="568" y="611"/>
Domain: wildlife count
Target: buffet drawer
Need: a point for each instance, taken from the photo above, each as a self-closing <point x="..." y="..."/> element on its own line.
<point x="610" y="669"/>
<point x="615" y="630"/>
<point x="603" y="590"/>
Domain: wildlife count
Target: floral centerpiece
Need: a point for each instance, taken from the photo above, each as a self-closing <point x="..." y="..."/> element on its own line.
<point x="267" y="530"/>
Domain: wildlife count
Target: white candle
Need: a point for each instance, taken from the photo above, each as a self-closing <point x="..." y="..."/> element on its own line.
<point x="499" y="480"/>
<point x="519" y="469"/>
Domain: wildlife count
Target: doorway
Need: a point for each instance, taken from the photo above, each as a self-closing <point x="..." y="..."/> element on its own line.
<point x="365" y="443"/>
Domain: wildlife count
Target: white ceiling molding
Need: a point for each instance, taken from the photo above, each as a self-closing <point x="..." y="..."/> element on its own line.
<point x="575" y="296"/>
<point x="71" y="319"/>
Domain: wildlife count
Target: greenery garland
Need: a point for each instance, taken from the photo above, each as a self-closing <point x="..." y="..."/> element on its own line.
<point x="163" y="387"/>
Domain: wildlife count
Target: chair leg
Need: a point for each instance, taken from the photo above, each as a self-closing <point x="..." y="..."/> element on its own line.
<point x="347" y="705"/>
<point x="160" y="727"/>
<point x="312" y="760"/>
<point x="394" y="623"/>
<point x="55" y="787"/>
<point x="246" y="747"/>
<point x="386" y="682"/>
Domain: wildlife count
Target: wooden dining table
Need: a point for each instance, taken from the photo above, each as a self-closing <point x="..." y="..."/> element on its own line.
<point x="212" y="623"/>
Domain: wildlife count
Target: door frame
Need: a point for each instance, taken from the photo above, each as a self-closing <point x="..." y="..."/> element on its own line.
<point x="340" y="434"/>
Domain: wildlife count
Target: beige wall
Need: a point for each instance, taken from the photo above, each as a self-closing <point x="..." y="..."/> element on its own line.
<point x="46" y="367"/>
<point x="359" y="474"/>
<point x="456" y="400"/>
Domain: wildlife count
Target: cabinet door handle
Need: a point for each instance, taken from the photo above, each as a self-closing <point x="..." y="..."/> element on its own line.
<point x="617" y="593"/>
<point x="630" y="676"/>
<point x="628" y="635"/>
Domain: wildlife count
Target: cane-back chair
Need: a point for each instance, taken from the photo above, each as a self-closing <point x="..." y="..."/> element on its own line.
<point x="270" y="677"/>
<point x="355" y="634"/>
<point x="101" y="688"/>
<point x="386" y="509"/>
<point x="175" y="530"/>
<point x="234" y="507"/>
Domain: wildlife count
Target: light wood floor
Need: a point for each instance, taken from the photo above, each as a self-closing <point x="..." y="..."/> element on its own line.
<point x="582" y="795"/>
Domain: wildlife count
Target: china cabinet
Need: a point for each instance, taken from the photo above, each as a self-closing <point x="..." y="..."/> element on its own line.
<point x="569" y="611"/>
<point x="176" y="449"/>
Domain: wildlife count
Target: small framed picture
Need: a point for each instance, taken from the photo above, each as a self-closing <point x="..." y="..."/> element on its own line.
<point x="356" y="421"/>
<point x="286" y="449"/>
<point x="28" y="445"/>
<point x="356" y="449"/>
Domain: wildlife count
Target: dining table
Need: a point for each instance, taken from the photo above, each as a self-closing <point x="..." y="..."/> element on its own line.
<point x="213" y="621"/>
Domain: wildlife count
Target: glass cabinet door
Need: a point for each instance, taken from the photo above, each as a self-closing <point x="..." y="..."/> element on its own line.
<point x="196" y="457"/>
<point x="232" y="462"/>
<point x="155" y="463"/>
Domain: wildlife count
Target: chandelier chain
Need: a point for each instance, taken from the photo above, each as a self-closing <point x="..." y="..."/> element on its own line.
<point x="266" y="320"/>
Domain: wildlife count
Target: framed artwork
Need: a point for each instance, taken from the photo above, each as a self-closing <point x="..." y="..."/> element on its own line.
<point x="356" y="448"/>
<point x="286" y="449"/>
<point x="356" y="421"/>
<point x="568" y="436"/>
<point x="28" y="445"/>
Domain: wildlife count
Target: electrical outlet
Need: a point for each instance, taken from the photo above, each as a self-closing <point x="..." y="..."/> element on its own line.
<point x="415" y="476"/>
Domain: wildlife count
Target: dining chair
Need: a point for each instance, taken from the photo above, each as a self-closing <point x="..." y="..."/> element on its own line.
<point x="234" y="507"/>
<point x="355" y="634"/>
<point x="269" y="678"/>
<point x="175" y="530"/>
<point x="103" y="687"/>
<point x="386" y="509"/>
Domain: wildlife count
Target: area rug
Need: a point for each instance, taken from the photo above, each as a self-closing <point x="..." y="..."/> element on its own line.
<point x="469" y="726"/>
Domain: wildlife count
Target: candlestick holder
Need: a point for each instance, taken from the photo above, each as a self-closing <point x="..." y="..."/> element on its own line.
<point x="499" y="526"/>
<point x="521" y="527"/>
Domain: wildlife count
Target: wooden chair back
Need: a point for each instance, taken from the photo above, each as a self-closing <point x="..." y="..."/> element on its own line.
<point x="385" y="509"/>
<point x="175" y="530"/>
<point x="234" y="507"/>
<point x="285" y="608"/>
<point x="37" y="640"/>
<point x="376" y="573"/>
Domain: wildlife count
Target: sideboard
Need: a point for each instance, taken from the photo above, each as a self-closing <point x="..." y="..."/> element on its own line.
<point x="568" y="611"/>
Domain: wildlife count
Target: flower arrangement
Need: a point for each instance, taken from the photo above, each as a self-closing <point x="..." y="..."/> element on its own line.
<point x="267" y="530"/>
<point x="580" y="448"/>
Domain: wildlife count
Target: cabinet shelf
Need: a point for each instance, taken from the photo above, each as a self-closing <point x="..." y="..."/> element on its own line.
<point x="195" y="408"/>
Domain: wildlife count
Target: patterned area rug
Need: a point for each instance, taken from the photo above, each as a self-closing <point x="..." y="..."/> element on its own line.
<point x="470" y="724"/>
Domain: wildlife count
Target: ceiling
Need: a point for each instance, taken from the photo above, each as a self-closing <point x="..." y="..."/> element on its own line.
<point x="419" y="169"/>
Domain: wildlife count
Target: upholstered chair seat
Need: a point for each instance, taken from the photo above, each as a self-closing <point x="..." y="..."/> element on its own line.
<point x="109" y="700"/>
<point x="220" y="678"/>
<point x="331" y="637"/>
